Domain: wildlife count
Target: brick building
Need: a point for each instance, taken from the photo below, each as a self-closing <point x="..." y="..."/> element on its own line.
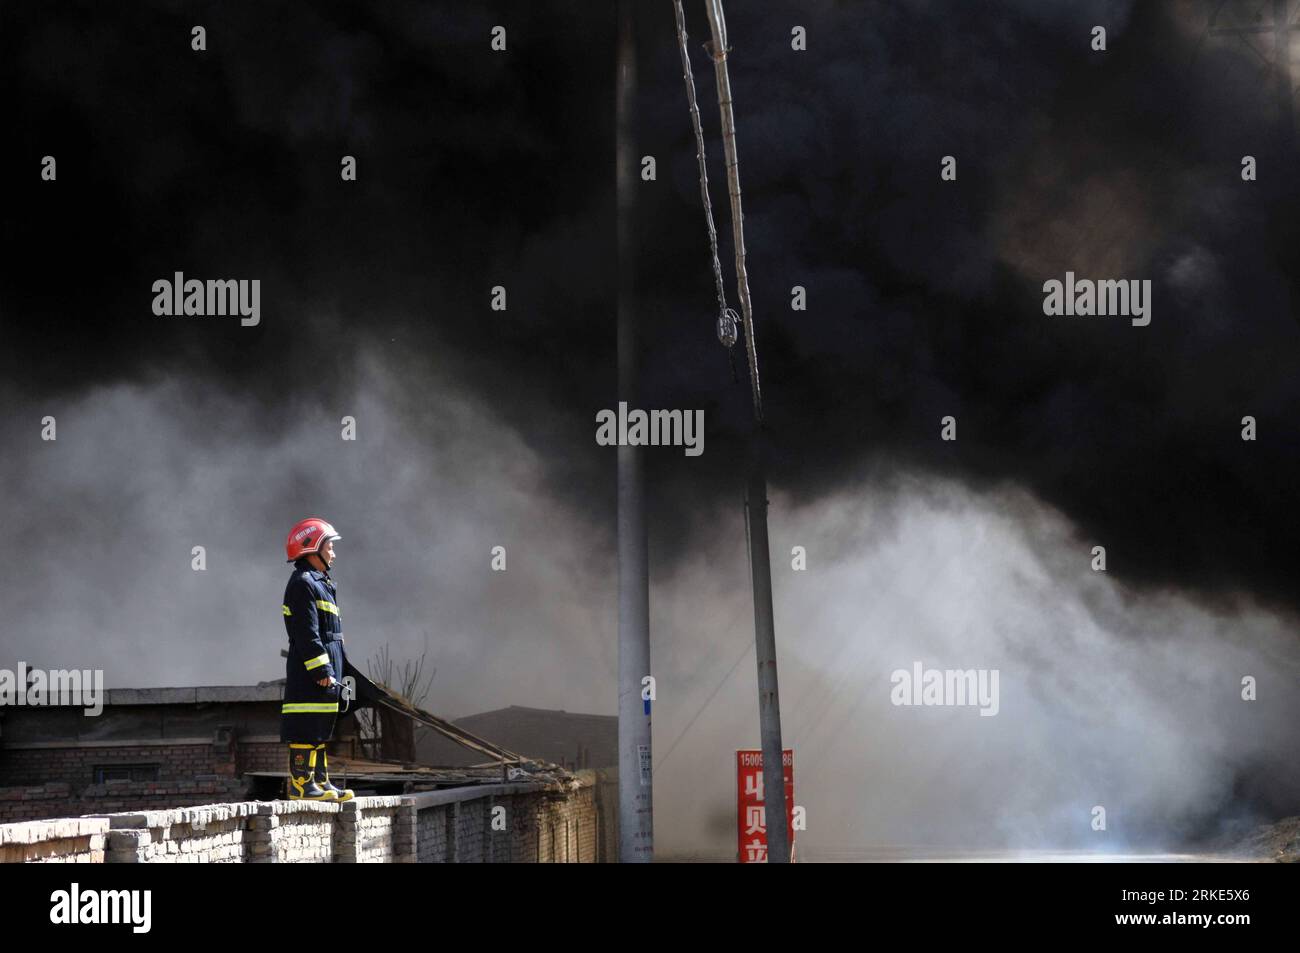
<point x="149" y="745"/>
<point x="189" y="746"/>
<point x="186" y="746"/>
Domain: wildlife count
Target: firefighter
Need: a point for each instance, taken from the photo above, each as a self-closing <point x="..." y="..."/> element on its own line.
<point x="313" y="678"/>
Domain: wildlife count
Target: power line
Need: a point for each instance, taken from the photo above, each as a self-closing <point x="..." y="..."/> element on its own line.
<point x="713" y="694"/>
<point x="726" y="317"/>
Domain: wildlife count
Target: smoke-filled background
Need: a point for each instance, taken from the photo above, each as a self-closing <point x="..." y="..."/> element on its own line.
<point x="475" y="428"/>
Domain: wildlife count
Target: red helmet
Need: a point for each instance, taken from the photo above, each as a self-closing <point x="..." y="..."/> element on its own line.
<point x="307" y="536"/>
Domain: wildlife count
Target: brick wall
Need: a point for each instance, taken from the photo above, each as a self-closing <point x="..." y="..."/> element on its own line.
<point x="555" y="823"/>
<point x="76" y="765"/>
<point x="176" y="762"/>
<point x="376" y="832"/>
<point x="211" y="833"/>
<point x="67" y="840"/>
<point x="263" y="756"/>
<point x="37" y="783"/>
<point x="62" y="800"/>
<point x="554" y="826"/>
<point x="568" y="827"/>
<point x="293" y="832"/>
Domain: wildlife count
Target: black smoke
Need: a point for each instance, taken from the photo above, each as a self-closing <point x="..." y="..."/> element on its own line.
<point x="925" y="296"/>
<point x="479" y="169"/>
<point x="475" y="169"/>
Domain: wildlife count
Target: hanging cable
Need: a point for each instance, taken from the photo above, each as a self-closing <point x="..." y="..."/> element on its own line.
<point x="727" y="318"/>
<point x="718" y="50"/>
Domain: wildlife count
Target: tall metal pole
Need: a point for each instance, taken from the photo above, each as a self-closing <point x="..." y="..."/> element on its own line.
<point x="769" y="702"/>
<point x="635" y="789"/>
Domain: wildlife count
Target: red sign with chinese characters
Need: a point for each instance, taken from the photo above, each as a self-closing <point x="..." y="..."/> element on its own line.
<point x="752" y="813"/>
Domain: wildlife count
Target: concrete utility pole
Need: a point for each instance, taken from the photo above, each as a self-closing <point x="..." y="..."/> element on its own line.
<point x="635" y="788"/>
<point x="769" y="703"/>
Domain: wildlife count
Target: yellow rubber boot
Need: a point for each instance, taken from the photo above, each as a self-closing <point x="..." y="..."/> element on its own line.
<point x="302" y="781"/>
<point x="322" y="776"/>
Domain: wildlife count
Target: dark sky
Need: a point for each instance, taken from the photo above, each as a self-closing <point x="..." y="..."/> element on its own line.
<point x="478" y="168"/>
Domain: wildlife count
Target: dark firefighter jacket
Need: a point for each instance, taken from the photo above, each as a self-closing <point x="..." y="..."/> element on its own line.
<point x="311" y="618"/>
